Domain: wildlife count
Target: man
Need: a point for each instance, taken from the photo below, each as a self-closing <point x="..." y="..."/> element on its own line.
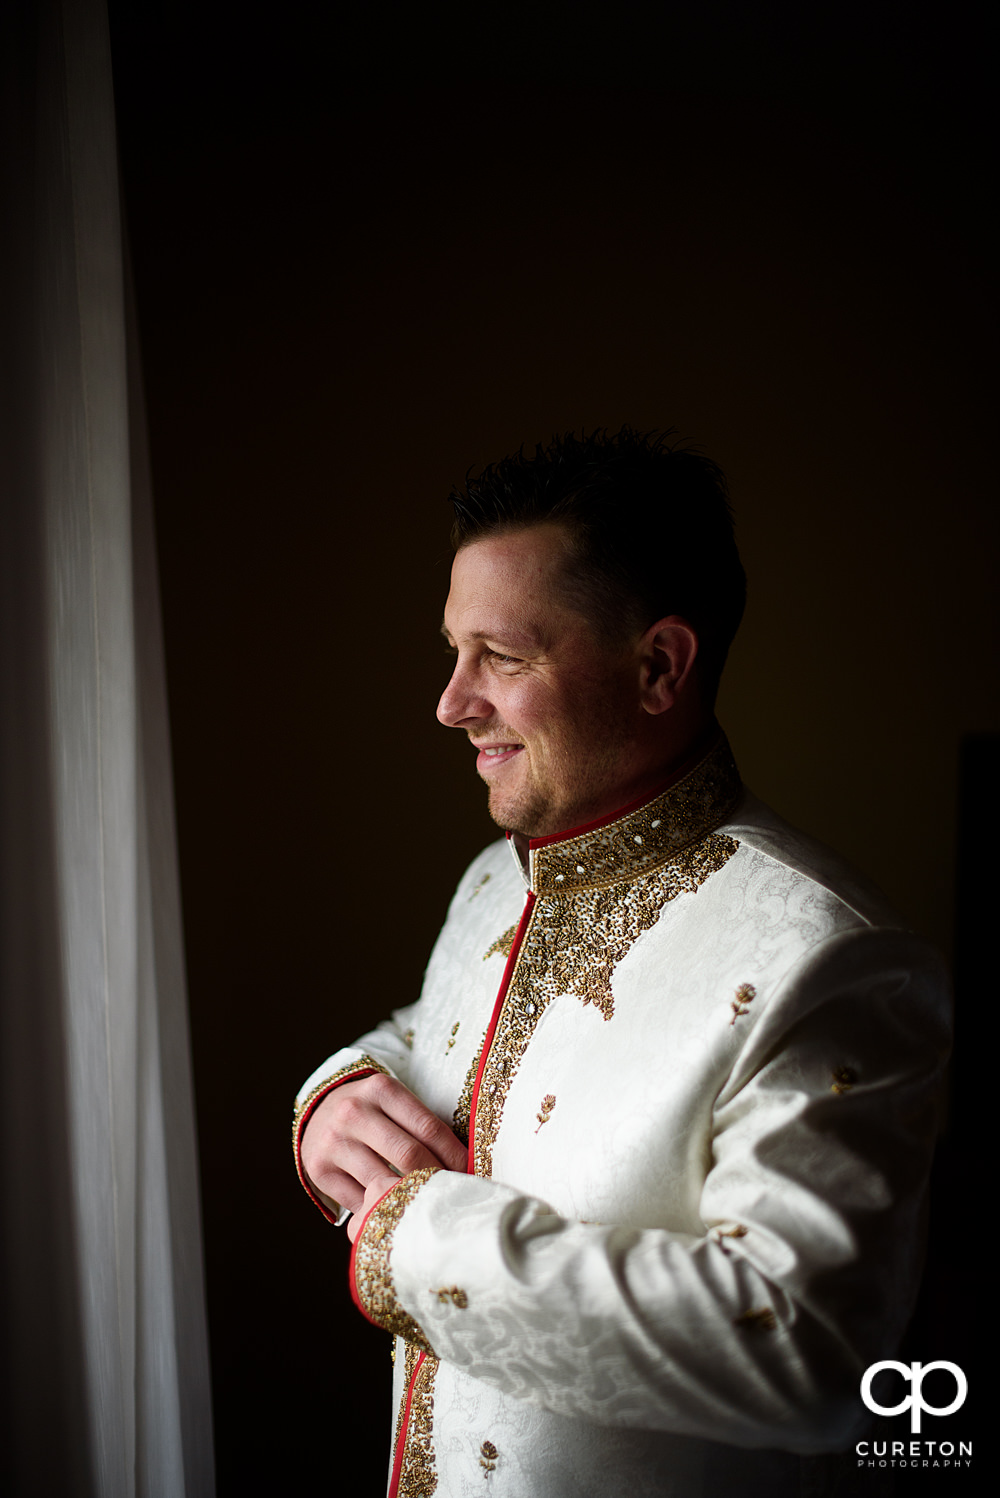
<point x="693" y="1058"/>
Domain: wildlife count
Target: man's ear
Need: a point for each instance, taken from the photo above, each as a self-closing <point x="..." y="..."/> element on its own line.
<point x="669" y="649"/>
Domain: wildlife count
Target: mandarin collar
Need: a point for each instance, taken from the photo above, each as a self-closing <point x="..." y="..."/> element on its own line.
<point x="641" y="836"/>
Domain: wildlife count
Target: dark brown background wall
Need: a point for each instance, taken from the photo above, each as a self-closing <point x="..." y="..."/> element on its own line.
<point x="369" y="254"/>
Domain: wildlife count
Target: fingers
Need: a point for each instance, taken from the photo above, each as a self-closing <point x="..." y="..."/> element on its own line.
<point x="363" y="1117"/>
<point x="362" y="1127"/>
<point x="377" y="1188"/>
<point x="421" y="1124"/>
<point x="347" y="1181"/>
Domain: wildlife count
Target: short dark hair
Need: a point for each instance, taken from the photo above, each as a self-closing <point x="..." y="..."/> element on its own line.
<point x="650" y="525"/>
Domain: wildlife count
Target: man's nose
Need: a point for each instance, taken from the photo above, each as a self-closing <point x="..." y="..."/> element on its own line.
<point x="461" y="703"/>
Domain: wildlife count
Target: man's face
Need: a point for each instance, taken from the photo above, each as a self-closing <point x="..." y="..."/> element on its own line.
<point x="554" y="714"/>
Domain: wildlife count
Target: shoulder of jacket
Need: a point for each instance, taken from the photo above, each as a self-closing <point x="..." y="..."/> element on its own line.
<point x="487" y="865"/>
<point x="797" y="859"/>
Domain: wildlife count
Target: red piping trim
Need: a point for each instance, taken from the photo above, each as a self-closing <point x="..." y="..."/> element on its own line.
<point x="365" y="1071"/>
<point x="397" y="1466"/>
<point x="508" y="973"/>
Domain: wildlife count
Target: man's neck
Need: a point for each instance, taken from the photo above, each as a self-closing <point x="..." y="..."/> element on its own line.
<point x="653" y="784"/>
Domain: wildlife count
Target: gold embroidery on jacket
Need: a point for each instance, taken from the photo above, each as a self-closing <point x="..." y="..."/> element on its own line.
<point x="488" y="1457"/>
<point x="484" y="880"/>
<point x="454" y="1294"/>
<point x="745" y="995"/>
<point x="411" y="1357"/>
<point x="642" y="840"/>
<point x="417" y="1475"/>
<point x="463" y="1108"/>
<point x="724" y="1230"/>
<point x="372" y="1254"/>
<point x="843" y="1080"/>
<point x="548" y="1103"/>
<point x="502" y="944"/>
<point x="572" y="945"/>
<point x="408" y="1038"/>
<point x="762" y="1319"/>
<point x="454" y="1031"/>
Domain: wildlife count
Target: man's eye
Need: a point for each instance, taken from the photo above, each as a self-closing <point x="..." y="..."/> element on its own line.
<point x="503" y="660"/>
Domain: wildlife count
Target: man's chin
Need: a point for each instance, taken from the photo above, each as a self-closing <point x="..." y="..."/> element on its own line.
<point x="513" y="815"/>
<point x="521" y="815"/>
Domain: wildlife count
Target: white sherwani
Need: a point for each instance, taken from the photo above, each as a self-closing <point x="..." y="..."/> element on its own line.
<point x="697" y="1062"/>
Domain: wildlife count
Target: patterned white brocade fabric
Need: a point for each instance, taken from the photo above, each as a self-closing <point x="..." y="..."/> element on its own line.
<point x="701" y="1140"/>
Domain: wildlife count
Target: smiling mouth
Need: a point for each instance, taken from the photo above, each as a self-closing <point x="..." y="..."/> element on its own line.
<point x="488" y="758"/>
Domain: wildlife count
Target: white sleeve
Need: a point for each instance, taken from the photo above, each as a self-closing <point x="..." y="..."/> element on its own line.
<point x="757" y="1332"/>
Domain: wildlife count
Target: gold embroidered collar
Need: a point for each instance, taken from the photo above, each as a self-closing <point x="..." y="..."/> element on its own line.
<point x="636" y="841"/>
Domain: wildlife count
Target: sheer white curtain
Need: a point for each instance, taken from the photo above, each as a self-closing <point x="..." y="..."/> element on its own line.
<point x="103" y="1327"/>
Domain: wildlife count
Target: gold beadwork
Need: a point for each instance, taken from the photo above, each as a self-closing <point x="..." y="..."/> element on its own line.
<point x="463" y="1108"/>
<point x="728" y="1230"/>
<point x="488" y="1457"/>
<point x="548" y="1103"/>
<point x="484" y="880"/>
<point x="745" y="994"/>
<point x="761" y="1320"/>
<point x="843" y="1080"/>
<point x="502" y="944"/>
<point x="417" y="1477"/>
<point x="411" y="1356"/>
<point x="572" y="945"/>
<point x="454" y="1031"/>
<point x="372" y="1253"/>
<point x="454" y="1294"/>
<point x="671" y="821"/>
<point x="408" y="1038"/>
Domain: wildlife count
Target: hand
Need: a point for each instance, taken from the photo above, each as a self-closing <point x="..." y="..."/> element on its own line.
<point x="376" y="1189"/>
<point x="365" y="1134"/>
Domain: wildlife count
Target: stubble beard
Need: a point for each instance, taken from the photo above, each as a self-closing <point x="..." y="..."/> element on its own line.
<point x="524" y="814"/>
<point x="539" y="810"/>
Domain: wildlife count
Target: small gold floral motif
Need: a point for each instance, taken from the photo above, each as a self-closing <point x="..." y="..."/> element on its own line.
<point x="843" y="1080"/>
<point x="728" y="1230"/>
<point x="484" y="880"/>
<point x="548" y="1103"/>
<point x="745" y="995"/>
<point x="408" y="1038"/>
<point x="454" y="1032"/>
<point x="762" y="1319"/>
<point x="502" y="944"/>
<point x="454" y="1294"/>
<point x="488" y="1457"/>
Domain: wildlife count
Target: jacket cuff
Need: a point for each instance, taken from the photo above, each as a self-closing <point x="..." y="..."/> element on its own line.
<point x="371" y="1276"/>
<point x="362" y="1066"/>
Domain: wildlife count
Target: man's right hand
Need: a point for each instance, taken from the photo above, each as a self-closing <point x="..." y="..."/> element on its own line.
<point x="361" y="1127"/>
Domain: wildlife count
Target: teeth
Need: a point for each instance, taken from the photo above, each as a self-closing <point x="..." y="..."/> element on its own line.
<point x="505" y="750"/>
